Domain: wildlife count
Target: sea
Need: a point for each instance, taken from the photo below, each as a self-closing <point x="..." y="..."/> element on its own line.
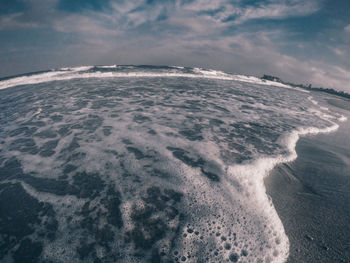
<point x="149" y="164"/>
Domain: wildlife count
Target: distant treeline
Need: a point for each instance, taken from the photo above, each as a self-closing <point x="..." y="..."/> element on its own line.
<point x="308" y="87"/>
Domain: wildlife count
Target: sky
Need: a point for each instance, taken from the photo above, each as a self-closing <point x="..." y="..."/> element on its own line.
<point x="299" y="41"/>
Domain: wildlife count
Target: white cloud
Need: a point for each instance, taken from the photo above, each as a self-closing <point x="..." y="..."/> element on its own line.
<point x="235" y="13"/>
<point x="278" y="10"/>
<point x="204" y="5"/>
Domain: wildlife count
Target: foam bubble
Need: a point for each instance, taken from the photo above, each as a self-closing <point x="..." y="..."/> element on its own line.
<point x="343" y="118"/>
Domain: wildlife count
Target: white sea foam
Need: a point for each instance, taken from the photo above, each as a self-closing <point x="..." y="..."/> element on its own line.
<point x="178" y="67"/>
<point x="343" y="118"/>
<point x="312" y="100"/>
<point x="210" y="72"/>
<point x="76" y="69"/>
<point x="252" y="175"/>
<point x="79" y="73"/>
<point x="111" y="66"/>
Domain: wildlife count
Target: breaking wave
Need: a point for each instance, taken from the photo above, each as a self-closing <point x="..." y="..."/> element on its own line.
<point x="115" y="71"/>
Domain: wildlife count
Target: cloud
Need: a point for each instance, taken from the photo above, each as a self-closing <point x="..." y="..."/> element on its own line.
<point x="237" y="13"/>
<point x="347" y="28"/>
<point x="84" y="25"/>
<point x="331" y="77"/>
<point x="128" y="15"/>
<point x="256" y="54"/>
<point x="38" y="13"/>
<point x="15" y="21"/>
<point x="278" y="10"/>
<point x="196" y="16"/>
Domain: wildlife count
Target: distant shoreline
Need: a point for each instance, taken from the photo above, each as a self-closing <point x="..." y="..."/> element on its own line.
<point x="308" y="87"/>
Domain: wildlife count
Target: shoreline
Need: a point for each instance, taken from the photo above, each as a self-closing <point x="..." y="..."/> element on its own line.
<point x="267" y="166"/>
<point x="310" y="198"/>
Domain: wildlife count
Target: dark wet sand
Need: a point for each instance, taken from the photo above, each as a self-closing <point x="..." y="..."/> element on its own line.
<point x="312" y="195"/>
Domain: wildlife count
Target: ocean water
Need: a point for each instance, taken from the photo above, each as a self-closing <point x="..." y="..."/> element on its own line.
<point x="146" y="164"/>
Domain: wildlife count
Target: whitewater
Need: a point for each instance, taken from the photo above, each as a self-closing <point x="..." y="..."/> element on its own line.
<point x="151" y="164"/>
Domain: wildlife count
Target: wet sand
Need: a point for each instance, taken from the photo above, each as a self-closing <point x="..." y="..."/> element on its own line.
<point x="312" y="195"/>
